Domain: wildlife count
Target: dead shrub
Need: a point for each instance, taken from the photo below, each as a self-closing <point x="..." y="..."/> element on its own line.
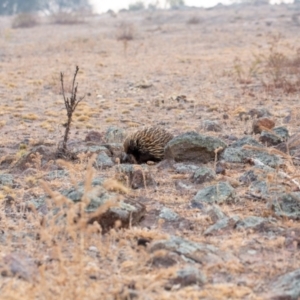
<point x="194" y="20"/>
<point x="25" y="20"/>
<point x="125" y="32"/>
<point x="67" y="18"/>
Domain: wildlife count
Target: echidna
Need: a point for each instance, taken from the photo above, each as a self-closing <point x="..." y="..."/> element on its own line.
<point x="147" y="144"/>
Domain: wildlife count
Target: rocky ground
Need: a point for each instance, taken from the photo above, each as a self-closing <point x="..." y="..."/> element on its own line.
<point x="217" y="219"/>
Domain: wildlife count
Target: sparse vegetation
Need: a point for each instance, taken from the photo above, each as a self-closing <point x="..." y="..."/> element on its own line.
<point x="67" y="18"/>
<point x="25" y="20"/>
<point x="223" y="82"/>
<point x="139" y="5"/>
<point x="70" y="104"/>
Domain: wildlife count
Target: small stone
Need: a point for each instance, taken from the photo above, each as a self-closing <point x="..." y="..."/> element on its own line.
<point x="115" y="135"/>
<point x="216" y="213"/>
<point x="203" y="174"/>
<point x="287" y="205"/>
<point x="94" y="136"/>
<point x="103" y="161"/>
<point x="183" y="168"/>
<point x="286" y="286"/>
<point x="188" y="276"/>
<point x="212" y="126"/>
<point x="6" y="179"/>
<point x="219" y="193"/>
<point x="222" y="225"/>
<point x="262" y="124"/>
<point x="168" y="214"/>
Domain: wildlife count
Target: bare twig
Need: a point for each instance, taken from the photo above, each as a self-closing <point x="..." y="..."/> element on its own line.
<point x="70" y="104"/>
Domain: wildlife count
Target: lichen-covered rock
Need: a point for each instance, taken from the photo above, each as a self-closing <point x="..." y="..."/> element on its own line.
<point x="103" y="161"/>
<point x="238" y="153"/>
<point x="287" y="205"/>
<point x="219" y="193"/>
<point x="212" y="126"/>
<point x="222" y="225"/>
<point x="277" y="136"/>
<point x="183" y="168"/>
<point x="115" y="135"/>
<point x="6" y="179"/>
<point x="168" y="214"/>
<point x="192" y="146"/>
<point x="286" y="287"/>
<point x="203" y="174"/>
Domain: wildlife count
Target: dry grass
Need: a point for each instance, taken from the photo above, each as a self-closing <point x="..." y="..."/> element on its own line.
<point x="59" y="255"/>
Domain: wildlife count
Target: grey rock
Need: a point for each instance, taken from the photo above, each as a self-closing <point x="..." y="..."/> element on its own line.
<point x="57" y="174"/>
<point x="103" y="161"/>
<point x="248" y="177"/>
<point x="183" y="185"/>
<point x="212" y="126"/>
<point x="277" y="136"/>
<point x="183" y="168"/>
<point x="182" y="246"/>
<point x="83" y="148"/>
<point x="223" y="224"/>
<point x="192" y="146"/>
<point x="6" y="179"/>
<point x="286" y="286"/>
<point x="168" y="214"/>
<point x="246" y="140"/>
<point x="251" y="222"/>
<point x="115" y="135"/>
<point x="259" y="190"/>
<point x="240" y="155"/>
<point x="215" y="213"/>
<point x="203" y="174"/>
<point x="188" y="276"/>
<point x="219" y="193"/>
<point x="287" y="205"/>
<point x="259" y="113"/>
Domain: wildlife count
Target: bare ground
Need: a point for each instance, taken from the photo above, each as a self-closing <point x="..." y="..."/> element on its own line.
<point x="202" y="62"/>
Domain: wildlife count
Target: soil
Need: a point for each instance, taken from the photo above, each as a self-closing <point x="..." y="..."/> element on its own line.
<point x="180" y="68"/>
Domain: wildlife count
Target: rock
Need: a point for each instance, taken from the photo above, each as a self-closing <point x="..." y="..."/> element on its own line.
<point x="286" y="287"/>
<point x="259" y="190"/>
<point x="94" y="136"/>
<point x="277" y="136"/>
<point x="136" y="175"/>
<point x="187" y="276"/>
<point x="183" y="168"/>
<point x="219" y="193"/>
<point x="259" y="113"/>
<point x="83" y="148"/>
<point x="19" y="264"/>
<point x="203" y="174"/>
<point x="172" y="222"/>
<point x="248" y="177"/>
<point x="192" y="146"/>
<point x="163" y="261"/>
<point x="197" y="252"/>
<point x="56" y="174"/>
<point x="212" y="126"/>
<point x="215" y="213"/>
<point x="128" y="212"/>
<point x="103" y="161"/>
<point x="236" y="154"/>
<point x="262" y="124"/>
<point x="287" y="205"/>
<point x="221" y="167"/>
<point x="115" y="149"/>
<point x="251" y="222"/>
<point x="222" y="225"/>
<point x="168" y="214"/>
<point x="292" y="147"/>
<point x="6" y="179"/>
<point x="183" y="185"/>
<point x="27" y="160"/>
<point x="141" y="179"/>
<point x="115" y="135"/>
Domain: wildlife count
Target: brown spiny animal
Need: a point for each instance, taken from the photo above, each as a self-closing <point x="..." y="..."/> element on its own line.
<point x="147" y="144"/>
